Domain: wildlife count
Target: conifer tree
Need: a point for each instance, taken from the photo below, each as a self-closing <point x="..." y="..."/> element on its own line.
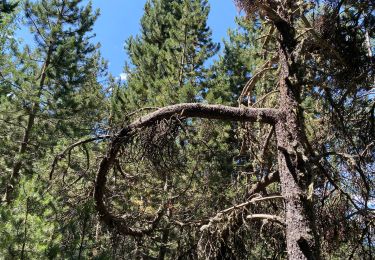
<point x="286" y="170"/>
<point x="8" y="44"/>
<point x="167" y="66"/>
<point x="167" y="59"/>
<point x="6" y="8"/>
<point x="237" y="68"/>
<point x="56" y="80"/>
<point x="322" y="68"/>
<point x="52" y="98"/>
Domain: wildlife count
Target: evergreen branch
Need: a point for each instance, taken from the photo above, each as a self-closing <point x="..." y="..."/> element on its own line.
<point x="37" y="29"/>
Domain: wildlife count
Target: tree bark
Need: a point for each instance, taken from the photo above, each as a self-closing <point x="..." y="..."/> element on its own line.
<point x="300" y="238"/>
<point x="291" y="141"/>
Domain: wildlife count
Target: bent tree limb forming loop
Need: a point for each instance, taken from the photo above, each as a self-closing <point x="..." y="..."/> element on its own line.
<point x="186" y="110"/>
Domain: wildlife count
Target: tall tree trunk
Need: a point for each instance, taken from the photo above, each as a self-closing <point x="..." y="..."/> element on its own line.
<point x="301" y="243"/>
<point x="25" y="231"/>
<point x="8" y="197"/>
<point x="295" y="178"/>
<point x="164" y="240"/>
<point x="17" y="165"/>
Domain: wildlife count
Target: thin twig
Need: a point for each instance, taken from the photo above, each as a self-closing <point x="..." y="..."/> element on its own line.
<point x="257" y="199"/>
<point x="261" y="99"/>
<point x="71" y="147"/>
<point x="253" y="80"/>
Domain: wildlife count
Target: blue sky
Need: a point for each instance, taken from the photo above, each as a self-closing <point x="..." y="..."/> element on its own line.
<point x="120" y="19"/>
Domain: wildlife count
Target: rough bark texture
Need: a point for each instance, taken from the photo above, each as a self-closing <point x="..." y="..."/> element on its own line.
<point x="291" y="142"/>
<point x="265" y="115"/>
<point x="299" y="226"/>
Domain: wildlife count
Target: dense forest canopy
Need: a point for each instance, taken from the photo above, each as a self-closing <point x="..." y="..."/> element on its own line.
<point x="266" y="152"/>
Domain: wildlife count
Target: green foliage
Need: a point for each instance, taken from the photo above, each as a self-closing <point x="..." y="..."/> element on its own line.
<point x="243" y="57"/>
<point x="6" y="8"/>
<point x="167" y="58"/>
<point x="50" y="97"/>
<point x="192" y="169"/>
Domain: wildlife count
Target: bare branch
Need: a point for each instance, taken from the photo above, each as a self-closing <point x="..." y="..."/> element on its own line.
<point x="267" y="217"/>
<point x="269" y="35"/>
<point x="250" y="202"/>
<point x="271" y="13"/>
<point x="261" y="99"/>
<point x="251" y="83"/>
<point x="265" y="115"/>
<point x="70" y="148"/>
<point x="334" y="184"/>
<point x="266" y="143"/>
<point x="263" y="183"/>
<point x="140" y="110"/>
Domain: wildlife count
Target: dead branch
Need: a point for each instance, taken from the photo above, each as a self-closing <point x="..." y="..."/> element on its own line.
<point x="253" y="80"/>
<point x="141" y="110"/>
<point x="321" y="41"/>
<point x="265" y="115"/>
<point x="269" y="34"/>
<point x="252" y="201"/>
<point x="199" y="110"/>
<point x="261" y="99"/>
<point x="70" y="148"/>
<point x="273" y="218"/>
<point x="263" y="183"/>
<point x="266" y="143"/>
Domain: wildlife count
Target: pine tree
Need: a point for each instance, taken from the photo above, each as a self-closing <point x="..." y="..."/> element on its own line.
<point x="241" y="65"/>
<point x="243" y="55"/>
<point x="167" y="59"/>
<point x="61" y="67"/>
<point x="6" y="8"/>
<point x="167" y="66"/>
<point x="53" y="98"/>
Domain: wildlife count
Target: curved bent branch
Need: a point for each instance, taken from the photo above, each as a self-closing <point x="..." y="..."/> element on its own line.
<point x="186" y="110"/>
<point x="71" y="147"/>
<point x="265" y="115"/>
